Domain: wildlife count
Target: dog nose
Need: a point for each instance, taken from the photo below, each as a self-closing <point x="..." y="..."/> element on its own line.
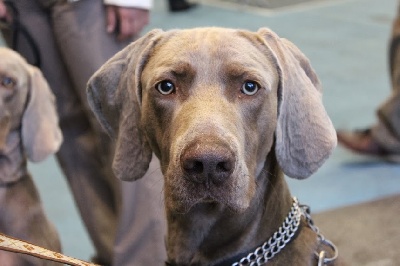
<point x="207" y="163"/>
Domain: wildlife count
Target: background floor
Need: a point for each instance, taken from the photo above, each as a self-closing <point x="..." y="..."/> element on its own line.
<point x="346" y="41"/>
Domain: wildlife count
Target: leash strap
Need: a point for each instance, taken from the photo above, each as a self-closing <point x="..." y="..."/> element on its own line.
<point x="17" y="30"/>
<point x="19" y="246"/>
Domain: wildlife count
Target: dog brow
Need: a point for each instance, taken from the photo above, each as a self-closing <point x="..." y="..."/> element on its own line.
<point x="177" y="69"/>
<point x="181" y="68"/>
<point x="243" y="71"/>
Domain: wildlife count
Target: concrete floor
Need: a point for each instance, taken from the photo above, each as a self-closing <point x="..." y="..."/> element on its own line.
<point x="346" y="41"/>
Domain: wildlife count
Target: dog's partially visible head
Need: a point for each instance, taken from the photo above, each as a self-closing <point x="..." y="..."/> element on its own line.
<point x="210" y="103"/>
<point x="27" y="104"/>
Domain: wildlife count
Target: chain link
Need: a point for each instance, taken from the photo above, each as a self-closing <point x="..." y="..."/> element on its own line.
<point x="277" y="242"/>
<point x="321" y="256"/>
<point x="284" y="235"/>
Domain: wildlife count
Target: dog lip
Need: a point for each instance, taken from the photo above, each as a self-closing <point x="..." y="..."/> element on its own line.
<point x="207" y="202"/>
<point x="209" y="199"/>
<point x="204" y="202"/>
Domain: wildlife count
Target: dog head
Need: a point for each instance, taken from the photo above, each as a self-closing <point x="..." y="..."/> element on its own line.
<point x="211" y="103"/>
<point x="27" y="104"/>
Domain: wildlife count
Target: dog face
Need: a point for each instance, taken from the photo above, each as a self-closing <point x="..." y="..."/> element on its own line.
<point x="13" y="90"/>
<point x="209" y="114"/>
<point x="210" y="103"/>
<point x="27" y="104"/>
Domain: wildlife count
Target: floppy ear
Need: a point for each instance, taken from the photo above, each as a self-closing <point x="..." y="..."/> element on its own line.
<point x="114" y="94"/>
<point x="41" y="135"/>
<point x="305" y="136"/>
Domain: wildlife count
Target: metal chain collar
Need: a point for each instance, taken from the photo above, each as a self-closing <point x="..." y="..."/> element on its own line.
<point x="284" y="235"/>
<point x="321" y="255"/>
<point x="277" y="242"/>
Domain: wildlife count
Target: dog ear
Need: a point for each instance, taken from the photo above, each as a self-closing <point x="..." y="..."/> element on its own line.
<point x="41" y="135"/>
<point x="114" y="94"/>
<point x="305" y="136"/>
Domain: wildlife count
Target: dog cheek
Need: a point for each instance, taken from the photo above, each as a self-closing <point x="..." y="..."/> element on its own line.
<point x="177" y="198"/>
<point x="4" y="129"/>
<point x="242" y="191"/>
<point x="172" y="201"/>
<point x="151" y="125"/>
<point x="259" y="128"/>
<point x="156" y="119"/>
<point x="243" y="187"/>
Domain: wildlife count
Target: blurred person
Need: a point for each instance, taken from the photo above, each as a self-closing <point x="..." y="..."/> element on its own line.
<point x="70" y="40"/>
<point x="383" y="138"/>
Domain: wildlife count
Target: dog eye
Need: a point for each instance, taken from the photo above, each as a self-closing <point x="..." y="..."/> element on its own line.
<point x="165" y="87"/>
<point x="249" y="88"/>
<point x="7" y="82"/>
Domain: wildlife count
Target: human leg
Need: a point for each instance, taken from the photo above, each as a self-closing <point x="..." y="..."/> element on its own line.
<point x="142" y="231"/>
<point x="383" y="138"/>
<point x="85" y="46"/>
<point x="387" y="130"/>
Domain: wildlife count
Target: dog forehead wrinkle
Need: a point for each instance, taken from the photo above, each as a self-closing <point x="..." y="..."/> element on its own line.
<point x="208" y="51"/>
<point x="196" y="42"/>
<point x="171" y="69"/>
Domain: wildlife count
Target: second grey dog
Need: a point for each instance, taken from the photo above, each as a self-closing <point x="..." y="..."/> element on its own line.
<point x="28" y="131"/>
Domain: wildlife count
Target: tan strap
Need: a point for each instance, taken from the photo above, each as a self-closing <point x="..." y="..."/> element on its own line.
<point x="19" y="246"/>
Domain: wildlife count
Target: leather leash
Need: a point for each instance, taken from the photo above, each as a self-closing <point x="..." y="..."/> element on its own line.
<point x="19" y="246"/>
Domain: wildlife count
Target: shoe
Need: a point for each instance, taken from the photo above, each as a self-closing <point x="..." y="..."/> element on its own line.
<point x="362" y="142"/>
<point x="180" y="5"/>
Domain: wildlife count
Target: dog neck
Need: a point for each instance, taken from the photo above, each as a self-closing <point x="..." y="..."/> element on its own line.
<point x="13" y="164"/>
<point x="199" y="236"/>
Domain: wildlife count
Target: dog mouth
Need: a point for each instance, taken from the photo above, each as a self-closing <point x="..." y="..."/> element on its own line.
<point x="182" y="195"/>
<point x="184" y="204"/>
<point x="209" y="199"/>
